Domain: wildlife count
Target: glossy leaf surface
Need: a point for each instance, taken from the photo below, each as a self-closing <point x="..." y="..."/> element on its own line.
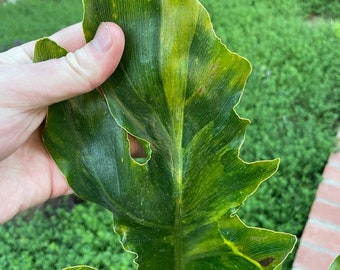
<point x="175" y="89"/>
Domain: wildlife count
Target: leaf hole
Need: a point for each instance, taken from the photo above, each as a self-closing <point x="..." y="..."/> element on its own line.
<point x="138" y="149"/>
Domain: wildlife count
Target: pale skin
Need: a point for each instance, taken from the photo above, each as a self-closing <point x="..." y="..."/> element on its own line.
<point x="28" y="175"/>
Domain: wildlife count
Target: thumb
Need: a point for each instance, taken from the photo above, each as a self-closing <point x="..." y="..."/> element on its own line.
<point x="44" y="83"/>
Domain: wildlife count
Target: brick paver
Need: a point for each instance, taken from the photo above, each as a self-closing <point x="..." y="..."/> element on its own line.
<point x="311" y="258"/>
<point x="318" y="234"/>
<point x="329" y="191"/>
<point x="320" y="241"/>
<point x="332" y="173"/>
<point x="326" y="211"/>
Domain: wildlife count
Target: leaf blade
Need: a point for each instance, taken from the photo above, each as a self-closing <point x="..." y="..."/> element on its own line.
<point x="174" y="209"/>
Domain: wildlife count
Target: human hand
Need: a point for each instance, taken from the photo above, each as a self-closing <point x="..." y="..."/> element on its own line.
<point x="28" y="175"/>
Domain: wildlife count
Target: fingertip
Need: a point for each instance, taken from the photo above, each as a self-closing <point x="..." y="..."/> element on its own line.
<point x="106" y="50"/>
<point x="107" y="35"/>
<point x="115" y="30"/>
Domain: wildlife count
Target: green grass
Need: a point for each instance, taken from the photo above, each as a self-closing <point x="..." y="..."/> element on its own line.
<point x="32" y="19"/>
<point x="54" y="238"/>
<point x="292" y="99"/>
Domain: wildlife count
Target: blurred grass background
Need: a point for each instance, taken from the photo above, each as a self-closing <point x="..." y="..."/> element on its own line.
<point x="292" y="98"/>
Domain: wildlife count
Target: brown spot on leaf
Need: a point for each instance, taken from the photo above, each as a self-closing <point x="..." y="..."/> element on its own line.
<point x="201" y="90"/>
<point x="266" y="261"/>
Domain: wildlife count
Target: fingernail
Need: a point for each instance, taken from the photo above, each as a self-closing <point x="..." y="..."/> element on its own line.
<point x="103" y="39"/>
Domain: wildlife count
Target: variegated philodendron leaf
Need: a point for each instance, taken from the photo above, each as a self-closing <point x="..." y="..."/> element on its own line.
<point x="175" y="89"/>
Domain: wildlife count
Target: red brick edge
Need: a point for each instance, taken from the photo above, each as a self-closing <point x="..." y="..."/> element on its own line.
<point x="320" y="241"/>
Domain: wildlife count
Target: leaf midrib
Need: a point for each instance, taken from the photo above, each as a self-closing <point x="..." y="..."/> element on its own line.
<point x="174" y="74"/>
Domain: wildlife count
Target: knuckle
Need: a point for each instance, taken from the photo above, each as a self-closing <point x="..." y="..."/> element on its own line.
<point x="81" y="69"/>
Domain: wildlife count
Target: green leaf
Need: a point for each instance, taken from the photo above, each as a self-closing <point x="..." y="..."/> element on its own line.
<point x="336" y="264"/>
<point x="175" y="89"/>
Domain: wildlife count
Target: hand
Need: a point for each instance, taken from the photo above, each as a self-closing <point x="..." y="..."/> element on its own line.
<point x="28" y="175"/>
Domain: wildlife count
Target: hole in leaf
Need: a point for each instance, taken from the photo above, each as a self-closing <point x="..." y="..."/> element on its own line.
<point x="138" y="149"/>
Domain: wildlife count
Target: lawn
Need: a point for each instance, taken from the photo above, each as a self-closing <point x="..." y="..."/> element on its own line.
<point x="292" y="99"/>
